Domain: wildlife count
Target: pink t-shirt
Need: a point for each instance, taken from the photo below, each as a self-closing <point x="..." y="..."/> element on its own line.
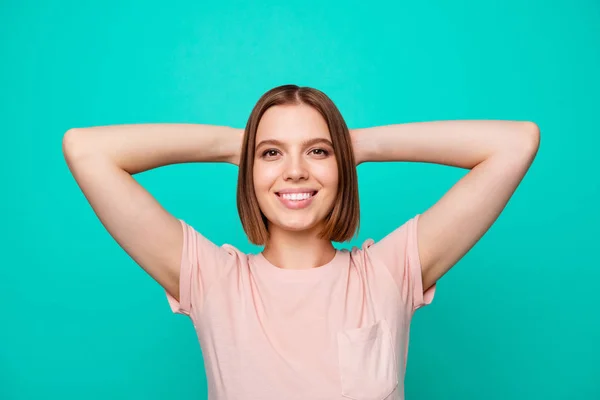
<point x="339" y="331"/>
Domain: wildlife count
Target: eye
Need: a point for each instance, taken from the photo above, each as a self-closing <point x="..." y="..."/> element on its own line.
<point x="269" y="153"/>
<point x="320" y="152"/>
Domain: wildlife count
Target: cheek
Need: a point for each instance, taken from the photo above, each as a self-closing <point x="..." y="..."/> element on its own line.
<point x="264" y="179"/>
<point x="328" y="175"/>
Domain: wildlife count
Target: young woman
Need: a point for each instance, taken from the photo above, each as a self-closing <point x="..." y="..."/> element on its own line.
<point x="301" y="320"/>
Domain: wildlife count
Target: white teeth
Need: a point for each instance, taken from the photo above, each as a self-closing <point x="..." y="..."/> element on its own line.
<point x="296" y="196"/>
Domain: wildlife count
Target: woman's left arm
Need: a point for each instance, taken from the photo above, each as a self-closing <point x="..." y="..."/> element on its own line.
<point x="498" y="154"/>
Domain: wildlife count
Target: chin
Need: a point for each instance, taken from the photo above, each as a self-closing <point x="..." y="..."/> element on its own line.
<point x="296" y="226"/>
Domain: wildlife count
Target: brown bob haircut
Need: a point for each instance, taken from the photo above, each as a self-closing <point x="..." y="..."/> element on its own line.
<point x="342" y="222"/>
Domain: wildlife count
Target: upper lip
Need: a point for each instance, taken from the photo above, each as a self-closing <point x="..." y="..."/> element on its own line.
<point x="296" y="190"/>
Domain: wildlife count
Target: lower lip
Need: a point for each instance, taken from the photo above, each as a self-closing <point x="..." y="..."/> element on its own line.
<point x="296" y="204"/>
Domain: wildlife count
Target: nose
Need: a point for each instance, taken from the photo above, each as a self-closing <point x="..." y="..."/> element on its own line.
<point x="295" y="169"/>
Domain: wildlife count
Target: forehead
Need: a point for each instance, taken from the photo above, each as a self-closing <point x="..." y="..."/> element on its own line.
<point x="290" y="122"/>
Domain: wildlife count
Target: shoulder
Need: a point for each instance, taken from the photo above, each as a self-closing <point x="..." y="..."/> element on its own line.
<point x="199" y="246"/>
<point x="395" y="250"/>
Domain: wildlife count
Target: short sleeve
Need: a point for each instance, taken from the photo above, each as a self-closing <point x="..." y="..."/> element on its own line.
<point x="202" y="263"/>
<point x="400" y="253"/>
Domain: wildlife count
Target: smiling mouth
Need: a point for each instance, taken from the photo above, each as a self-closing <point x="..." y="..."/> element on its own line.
<point x="296" y="196"/>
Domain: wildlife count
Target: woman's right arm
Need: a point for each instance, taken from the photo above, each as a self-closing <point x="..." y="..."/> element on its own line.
<point x="103" y="159"/>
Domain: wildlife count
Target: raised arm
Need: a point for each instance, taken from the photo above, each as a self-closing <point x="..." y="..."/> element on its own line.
<point x="103" y="160"/>
<point x="498" y="154"/>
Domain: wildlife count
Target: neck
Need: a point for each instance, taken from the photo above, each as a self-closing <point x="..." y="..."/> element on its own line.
<point x="297" y="250"/>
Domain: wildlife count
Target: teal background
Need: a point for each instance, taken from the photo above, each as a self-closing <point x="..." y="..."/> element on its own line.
<point x="517" y="318"/>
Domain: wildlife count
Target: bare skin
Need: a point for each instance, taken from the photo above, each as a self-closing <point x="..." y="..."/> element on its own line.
<point x="103" y="160"/>
<point x="498" y="155"/>
<point x="296" y="161"/>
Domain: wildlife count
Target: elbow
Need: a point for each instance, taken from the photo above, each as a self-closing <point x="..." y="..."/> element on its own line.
<point x="69" y="136"/>
<point x="68" y="140"/>
<point x="532" y="136"/>
<point x="72" y="144"/>
<point x="523" y="141"/>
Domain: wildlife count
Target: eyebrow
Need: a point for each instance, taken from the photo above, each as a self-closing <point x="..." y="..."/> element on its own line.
<point x="305" y="143"/>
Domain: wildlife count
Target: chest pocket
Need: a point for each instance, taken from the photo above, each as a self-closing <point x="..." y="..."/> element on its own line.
<point x="367" y="362"/>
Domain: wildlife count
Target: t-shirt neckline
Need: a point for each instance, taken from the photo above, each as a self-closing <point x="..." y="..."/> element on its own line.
<point x="305" y="274"/>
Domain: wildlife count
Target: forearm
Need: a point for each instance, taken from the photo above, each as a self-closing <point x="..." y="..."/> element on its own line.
<point x="462" y="144"/>
<point x="140" y="147"/>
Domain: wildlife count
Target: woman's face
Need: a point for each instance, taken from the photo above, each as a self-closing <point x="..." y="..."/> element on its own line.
<point x="295" y="170"/>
